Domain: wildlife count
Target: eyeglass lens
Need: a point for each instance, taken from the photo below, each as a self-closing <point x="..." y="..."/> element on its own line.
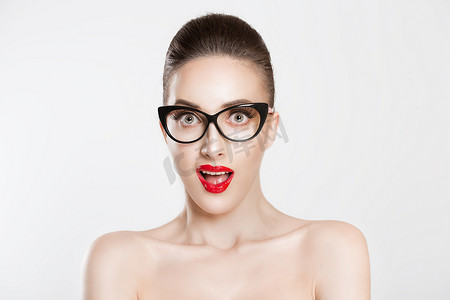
<point x="237" y="123"/>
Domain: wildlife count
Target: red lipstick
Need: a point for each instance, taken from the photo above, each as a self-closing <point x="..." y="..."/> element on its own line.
<point x="215" y="179"/>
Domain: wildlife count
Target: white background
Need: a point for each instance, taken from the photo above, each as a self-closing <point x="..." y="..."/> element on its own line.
<point x="362" y="88"/>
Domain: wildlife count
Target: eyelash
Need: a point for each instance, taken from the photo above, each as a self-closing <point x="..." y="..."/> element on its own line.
<point x="176" y="115"/>
<point x="250" y="113"/>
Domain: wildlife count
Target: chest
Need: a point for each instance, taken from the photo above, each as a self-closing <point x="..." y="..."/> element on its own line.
<point x="278" y="273"/>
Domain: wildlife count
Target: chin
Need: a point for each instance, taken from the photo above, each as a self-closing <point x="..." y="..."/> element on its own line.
<point x="214" y="203"/>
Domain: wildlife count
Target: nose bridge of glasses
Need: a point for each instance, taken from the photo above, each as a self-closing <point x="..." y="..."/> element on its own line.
<point x="212" y="120"/>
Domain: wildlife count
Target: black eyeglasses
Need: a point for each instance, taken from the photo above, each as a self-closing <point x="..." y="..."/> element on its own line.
<point x="239" y="123"/>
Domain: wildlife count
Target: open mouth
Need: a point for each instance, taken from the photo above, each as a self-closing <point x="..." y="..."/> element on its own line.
<point x="215" y="179"/>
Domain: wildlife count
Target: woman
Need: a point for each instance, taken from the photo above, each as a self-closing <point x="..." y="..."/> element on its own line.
<point x="229" y="242"/>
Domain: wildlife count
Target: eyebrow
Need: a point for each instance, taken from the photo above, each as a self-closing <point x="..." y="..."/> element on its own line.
<point x="225" y="105"/>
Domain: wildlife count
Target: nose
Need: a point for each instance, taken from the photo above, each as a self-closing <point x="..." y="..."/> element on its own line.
<point x="213" y="144"/>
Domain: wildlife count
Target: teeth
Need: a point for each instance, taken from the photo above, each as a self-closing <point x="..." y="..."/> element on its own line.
<point x="214" y="173"/>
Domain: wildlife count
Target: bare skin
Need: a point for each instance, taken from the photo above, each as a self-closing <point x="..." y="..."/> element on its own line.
<point x="311" y="260"/>
<point x="232" y="245"/>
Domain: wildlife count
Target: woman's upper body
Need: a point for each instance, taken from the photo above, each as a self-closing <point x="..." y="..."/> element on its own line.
<point x="310" y="260"/>
<point x="229" y="242"/>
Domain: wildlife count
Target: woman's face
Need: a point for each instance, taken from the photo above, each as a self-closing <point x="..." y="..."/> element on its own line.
<point x="210" y="83"/>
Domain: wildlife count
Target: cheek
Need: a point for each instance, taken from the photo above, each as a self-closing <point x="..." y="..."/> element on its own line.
<point x="184" y="158"/>
<point x="268" y="134"/>
<point x="247" y="154"/>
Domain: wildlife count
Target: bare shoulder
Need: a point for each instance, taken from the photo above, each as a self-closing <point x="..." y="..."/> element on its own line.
<point x="332" y="239"/>
<point x="338" y="233"/>
<point x="110" y="266"/>
<point x="114" y="245"/>
<point x="341" y="259"/>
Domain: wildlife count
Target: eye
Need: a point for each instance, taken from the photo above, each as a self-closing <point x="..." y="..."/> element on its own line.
<point x="188" y="119"/>
<point x="239" y="118"/>
<point x="185" y="118"/>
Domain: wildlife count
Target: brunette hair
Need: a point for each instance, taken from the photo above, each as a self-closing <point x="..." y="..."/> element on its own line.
<point x="221" y="35"/>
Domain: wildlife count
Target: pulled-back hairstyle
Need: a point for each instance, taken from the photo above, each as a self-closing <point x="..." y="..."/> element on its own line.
<point x="218" y="35"/>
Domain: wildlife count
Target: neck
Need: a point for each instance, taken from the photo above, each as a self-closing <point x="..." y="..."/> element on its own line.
<point x="250" y="220"/>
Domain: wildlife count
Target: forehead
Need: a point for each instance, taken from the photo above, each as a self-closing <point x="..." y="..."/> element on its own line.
<point x="211" y="82"/>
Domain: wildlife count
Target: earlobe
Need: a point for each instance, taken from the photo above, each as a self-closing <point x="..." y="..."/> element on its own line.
<point x="163" y="132"/>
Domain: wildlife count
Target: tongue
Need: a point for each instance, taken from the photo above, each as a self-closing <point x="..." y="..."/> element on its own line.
<point x="216" y="179"/>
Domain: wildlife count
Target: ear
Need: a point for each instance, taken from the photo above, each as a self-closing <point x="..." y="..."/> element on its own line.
<point x="163" y="131"/>
<point x="271" y="129"/>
